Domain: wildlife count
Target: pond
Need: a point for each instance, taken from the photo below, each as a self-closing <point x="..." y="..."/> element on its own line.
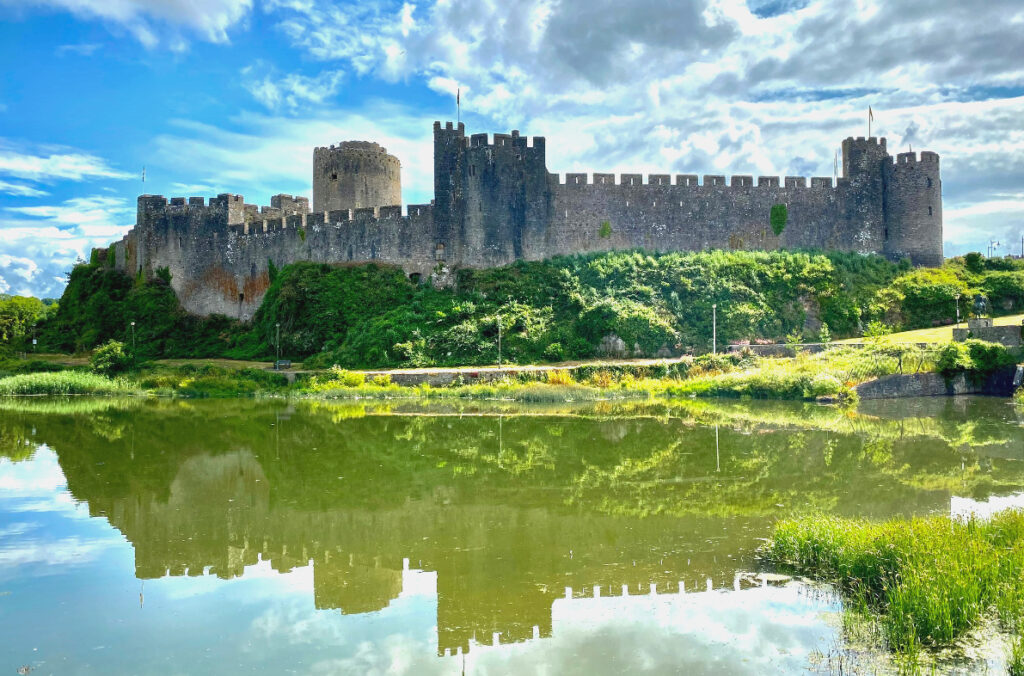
<point x="233" y="536"/>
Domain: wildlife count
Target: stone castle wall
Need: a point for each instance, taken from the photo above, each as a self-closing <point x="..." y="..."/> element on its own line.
<point x="495" y="202"/>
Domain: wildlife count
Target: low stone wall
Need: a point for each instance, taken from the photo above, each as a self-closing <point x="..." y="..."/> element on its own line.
<point x="784" y="350"/>
<point x="1000" y="383"/>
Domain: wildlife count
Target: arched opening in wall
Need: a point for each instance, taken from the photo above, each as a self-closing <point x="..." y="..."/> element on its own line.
<point x="241" y="298"/>
<point x="414" y="277"/>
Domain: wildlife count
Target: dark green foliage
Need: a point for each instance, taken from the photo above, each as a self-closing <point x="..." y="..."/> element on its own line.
<point x="553" y="310"/>
<point x="778" y="218"/>
<point x="99" y="304"/>
<point x="1005" y="290"/>
<point x="605" y="231"/>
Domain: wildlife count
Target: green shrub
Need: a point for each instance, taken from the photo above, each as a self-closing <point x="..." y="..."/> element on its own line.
<point x="988" y="357"/>
<point x="110" y="358"/>
<point x="954" y="358"/>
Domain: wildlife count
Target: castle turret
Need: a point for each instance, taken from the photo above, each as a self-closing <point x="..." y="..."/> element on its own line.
<point x="355" y="175"/>
<point x="492" y="194"/>
<point x="914" y="208"/>
<point x="864" y="170"/>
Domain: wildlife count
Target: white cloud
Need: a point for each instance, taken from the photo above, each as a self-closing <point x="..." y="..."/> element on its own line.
<point x="21" y="190"/>
<point x="210" y="19"/>
<point x="291" y="91"/>
<point x="81" y="49"/>
<point x="39" y="244"/>
<point x="47" y="164"/>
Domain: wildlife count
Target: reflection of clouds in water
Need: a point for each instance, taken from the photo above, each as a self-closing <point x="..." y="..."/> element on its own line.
<point x="40" y="476"/>
<point x="756" y="631"/>
<point x="767" y="630"/>
<point x="60" y="552"/>
<point x="38" y="485"/>
<point x="964" y="508"/>
<point x="38" y="547"/>
<point x="393" y="654"/>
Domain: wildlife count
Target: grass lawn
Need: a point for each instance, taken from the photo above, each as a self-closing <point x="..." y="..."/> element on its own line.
<point x="939" y="334"/>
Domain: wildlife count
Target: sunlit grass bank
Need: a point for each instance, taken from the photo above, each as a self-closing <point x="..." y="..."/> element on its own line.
<point x="62" y="383"/>
<point x="927" y="582"/>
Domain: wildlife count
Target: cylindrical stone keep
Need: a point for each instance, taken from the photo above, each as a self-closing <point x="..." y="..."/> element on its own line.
<point x="355" y="175"/>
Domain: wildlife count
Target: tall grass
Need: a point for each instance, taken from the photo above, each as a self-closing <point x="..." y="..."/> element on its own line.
<point x="931" y="580"/>
<point x="62" y="383"/>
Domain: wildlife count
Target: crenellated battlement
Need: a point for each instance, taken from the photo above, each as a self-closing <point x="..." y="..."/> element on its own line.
<point x="688" y="181"/>
<point x="911" y="158"/>
<point x="269" y="221"/>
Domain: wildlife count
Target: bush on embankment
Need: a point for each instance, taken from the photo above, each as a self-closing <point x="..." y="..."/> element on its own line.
<point x="930" y="580"/>
<point x="62" y="383"/>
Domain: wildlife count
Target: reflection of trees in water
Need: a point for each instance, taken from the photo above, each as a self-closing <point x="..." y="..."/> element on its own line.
<point x="508" y="510"/>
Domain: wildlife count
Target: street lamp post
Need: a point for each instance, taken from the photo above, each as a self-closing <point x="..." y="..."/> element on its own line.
<point x="992" y="246"/>
<point x="714" y="328"/>
<point x="499" y="341"/>
<point x="277" y="346"/>
<point x="133" y="344"/>
<point x="957" y="310"/>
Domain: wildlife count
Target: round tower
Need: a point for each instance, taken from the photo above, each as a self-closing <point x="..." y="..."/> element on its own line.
<point x="914" y="209"/>
<point x="355" y="175"/>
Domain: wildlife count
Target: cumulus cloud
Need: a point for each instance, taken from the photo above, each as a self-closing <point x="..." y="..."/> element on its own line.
<point x="39" y="244"/>
<point x="209" y="19"/>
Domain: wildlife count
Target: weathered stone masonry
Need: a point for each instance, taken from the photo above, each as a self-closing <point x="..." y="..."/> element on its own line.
<point x="495" y="202"/>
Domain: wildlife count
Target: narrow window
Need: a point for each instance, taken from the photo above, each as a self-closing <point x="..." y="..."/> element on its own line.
<point x="886" y="234"/>
<point x="929" y="211"/>
<point x="929" y="182"/>
<point x="241" y="297"/>
<point x="334" y="176"/>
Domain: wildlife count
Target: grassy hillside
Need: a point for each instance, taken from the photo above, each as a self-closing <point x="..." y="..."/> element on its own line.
<point x="372" y="316"/>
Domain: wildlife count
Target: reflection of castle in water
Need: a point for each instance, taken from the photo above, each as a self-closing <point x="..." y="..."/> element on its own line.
<point x="508" y="516"/>
<point x="499" y="567"/>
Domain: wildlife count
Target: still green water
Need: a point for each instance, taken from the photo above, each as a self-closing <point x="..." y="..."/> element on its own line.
<point x="241" y="536"/>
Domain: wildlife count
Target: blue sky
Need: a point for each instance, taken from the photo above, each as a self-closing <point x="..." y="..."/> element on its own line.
<point x="232" y="95"/>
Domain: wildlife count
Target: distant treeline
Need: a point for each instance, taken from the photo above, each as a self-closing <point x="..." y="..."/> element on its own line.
<point x="558" y="309"/>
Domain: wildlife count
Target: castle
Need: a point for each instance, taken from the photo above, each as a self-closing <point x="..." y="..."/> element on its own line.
<point x="495" y="203"/>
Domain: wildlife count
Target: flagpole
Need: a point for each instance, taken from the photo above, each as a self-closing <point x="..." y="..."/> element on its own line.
<point x="458" y="104"/>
